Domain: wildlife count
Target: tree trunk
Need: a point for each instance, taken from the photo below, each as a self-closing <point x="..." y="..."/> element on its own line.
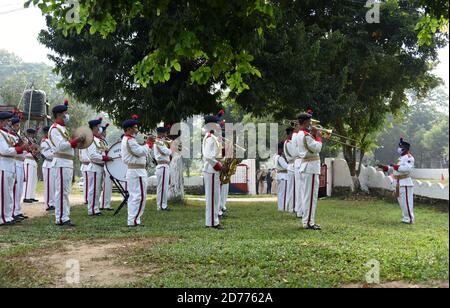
<point x="176" y="183"/>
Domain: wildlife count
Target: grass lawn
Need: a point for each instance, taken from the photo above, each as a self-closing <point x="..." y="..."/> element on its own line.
<point x="260" y="247"/>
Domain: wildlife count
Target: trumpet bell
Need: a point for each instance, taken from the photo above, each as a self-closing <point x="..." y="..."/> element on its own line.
<point x="86" y="134"/>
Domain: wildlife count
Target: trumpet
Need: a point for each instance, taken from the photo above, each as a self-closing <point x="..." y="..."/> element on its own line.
<point x="328" y="134"/>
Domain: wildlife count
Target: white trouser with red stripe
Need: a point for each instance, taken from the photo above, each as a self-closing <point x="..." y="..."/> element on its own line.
<point x="49" y="186"/>
<point x="282" y="194"/>
<point x="309" y="197"/>
<point x="63" y="187"/>
<point x="94" y="191"/>
<point x="106" y="191"/>
<point x="137" y="188"/>
<point x="292" y="196"/>
<point x="298" y="193"/>
<point x="30" y="179"/>
<point x="406" y="201"/>
<point x="6" y="196"/>
<point x="224" y="190"/>
<point x="162" y="175"/>
<point x="212" y="191"/>
<point x="86" y="187"/>
<point x="18" y="189"/>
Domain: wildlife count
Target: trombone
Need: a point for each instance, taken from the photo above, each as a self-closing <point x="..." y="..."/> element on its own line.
<point x="328" y="133"/>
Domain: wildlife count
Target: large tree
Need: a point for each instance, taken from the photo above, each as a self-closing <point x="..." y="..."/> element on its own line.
<point x="212" y="34"/>
<point x="325" y="55"/>
<point x="97" y="71"/>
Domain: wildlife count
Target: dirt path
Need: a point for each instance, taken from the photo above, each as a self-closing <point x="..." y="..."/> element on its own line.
<point x="94" y="263"/>
<point x="38" y="209"/>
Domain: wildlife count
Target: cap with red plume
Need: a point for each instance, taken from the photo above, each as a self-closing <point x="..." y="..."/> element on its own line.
<point x="130" y="123"/>
<point x="61" y="108"/>
<point x="310" y="111"/>
<point x="220" y="113"/>
<point x="404" y="145"/>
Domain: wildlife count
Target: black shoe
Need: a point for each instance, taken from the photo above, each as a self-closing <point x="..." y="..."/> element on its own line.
<point x="9" y="223"/>
<point x="34" y="200"/>
<point x="407" y="223"/>
<point x="96" y="214"/>
<point x="27" y="201"/>
<point x="314" y="228"/>
<point x="21" y="217"/>
<point x="52" y="208"/>
<point x="110" y="210"/>
<point x="68" y="224"/>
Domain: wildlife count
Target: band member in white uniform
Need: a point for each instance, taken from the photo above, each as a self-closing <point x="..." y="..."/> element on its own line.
<point x="63" y="147"/>
<point x="85" y="162"/>
<point x="404" y="184"/>
<point x="97" y="153"/>
<point x="135" y="157"/>
<point x="105" y="202"/>
<point x="8" y="151"/>
<point x="48" y="172"/>
<point x="310" y="176"/>
<point x="281" y="165"/>
<point x="30" y="171"/>
<point x="289" y="152"/>
<point x="162" y="154"/>
<point x="212" y="151"/>
<point x="20" y="173"/>
<point x="301" y="152"/>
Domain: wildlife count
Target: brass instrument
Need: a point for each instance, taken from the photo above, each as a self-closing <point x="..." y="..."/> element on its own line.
<point x="228" y="170"/>
<point x="328" y="133"/>
<point x="86" y="135"/>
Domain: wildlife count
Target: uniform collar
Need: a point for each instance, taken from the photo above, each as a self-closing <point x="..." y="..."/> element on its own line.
<point x="129" y="136"/>
<point x="406" y="153"/>
<point x="60" y="122"/>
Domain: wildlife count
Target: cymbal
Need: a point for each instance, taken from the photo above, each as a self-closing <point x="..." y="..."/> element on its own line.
<point x="85" y="132"/>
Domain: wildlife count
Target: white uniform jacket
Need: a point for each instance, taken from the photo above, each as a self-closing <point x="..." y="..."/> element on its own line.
<point x="96" y="153"/>
<point x="63" y="149"/>
<point x="134" y="156"/>
<point x="311" y="161"/>
<point x="212" y="151"/>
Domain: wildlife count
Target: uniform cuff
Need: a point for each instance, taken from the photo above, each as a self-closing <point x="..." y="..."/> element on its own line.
<point x="396" y="167"/>
<point x="386" y="168"/>
<point x="319" y="139"/>
<point x="19" y="150"/>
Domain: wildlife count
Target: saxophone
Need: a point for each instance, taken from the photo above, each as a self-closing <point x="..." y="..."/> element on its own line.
<point x="229" y="169"/>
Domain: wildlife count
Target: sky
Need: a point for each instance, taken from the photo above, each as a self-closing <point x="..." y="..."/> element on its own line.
<point x="19" y="29"/>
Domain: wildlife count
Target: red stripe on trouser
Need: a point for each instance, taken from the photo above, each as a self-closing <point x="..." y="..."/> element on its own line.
<point x="95" y="193"/>
<point x="26" y="186"/>
<point x="212" y="198"/>
<point x="86" y="187"/>
<point x="293" y="202"/>
<point x="48" y="187"/>
<point x="312" y="200"/>
<point x="3" y="197"/>
<point x="285" y="194"/>
<point x="142" y="200"/>
<point x="162" y="188"/>
<point x="62" y="195"/>
<point x="407" y="205"/>
<point x="104" y="189"/>
<point x="14" y="197"/>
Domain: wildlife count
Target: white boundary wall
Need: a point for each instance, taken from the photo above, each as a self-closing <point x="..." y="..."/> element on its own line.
<point x="339" y="176"/>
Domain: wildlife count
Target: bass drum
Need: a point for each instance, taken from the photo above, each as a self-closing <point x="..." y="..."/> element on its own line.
<point x="116" y="167"/>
